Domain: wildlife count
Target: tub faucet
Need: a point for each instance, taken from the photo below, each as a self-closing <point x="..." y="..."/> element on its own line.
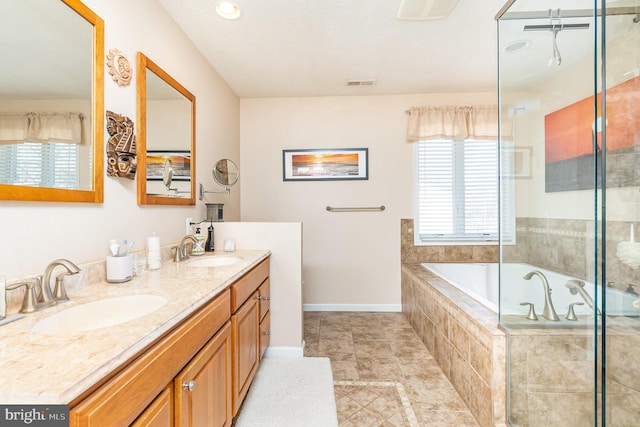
<point x="45" y="296"/>
<point x="182" y="251"/>
<point x="577" y="287"/>
<point x="548" y="312"/>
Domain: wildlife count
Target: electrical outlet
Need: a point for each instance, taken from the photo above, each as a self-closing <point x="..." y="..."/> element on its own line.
<point x="187" y="225"/>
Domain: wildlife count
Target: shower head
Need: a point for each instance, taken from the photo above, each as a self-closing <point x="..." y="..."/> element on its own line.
<point x="555" y="27"/>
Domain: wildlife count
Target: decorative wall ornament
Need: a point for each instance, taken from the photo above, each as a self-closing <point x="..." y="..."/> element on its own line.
<point x="119" y="67"/>
<point x="121" y="146"/>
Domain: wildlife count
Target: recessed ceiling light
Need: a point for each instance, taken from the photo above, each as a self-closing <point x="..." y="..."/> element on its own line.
<point x="517" y="45"/>
<point x="227" y="9"/>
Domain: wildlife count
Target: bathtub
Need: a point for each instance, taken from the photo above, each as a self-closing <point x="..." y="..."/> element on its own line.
<point x="480" y="281"/>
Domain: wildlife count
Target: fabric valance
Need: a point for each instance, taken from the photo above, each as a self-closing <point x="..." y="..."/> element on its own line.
<point x="16" y="128"/>
<point x="452" y="123"/>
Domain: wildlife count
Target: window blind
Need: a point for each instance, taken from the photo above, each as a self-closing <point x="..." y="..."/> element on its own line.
<point x="51" y="165"/>
<point x="457" y="191"/>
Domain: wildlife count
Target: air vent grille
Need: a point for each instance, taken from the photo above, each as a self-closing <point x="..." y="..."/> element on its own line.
<point x="370" y="82"/>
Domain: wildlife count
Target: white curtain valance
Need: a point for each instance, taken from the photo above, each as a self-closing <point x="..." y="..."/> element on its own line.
<point x="453" y="123"/>
<point x="16" y="128"/>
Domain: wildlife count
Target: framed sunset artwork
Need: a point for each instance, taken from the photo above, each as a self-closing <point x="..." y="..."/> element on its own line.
<point x="325" y="164"/>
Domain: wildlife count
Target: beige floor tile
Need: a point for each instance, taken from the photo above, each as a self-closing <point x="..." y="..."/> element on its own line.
<point x="384" y="375"/>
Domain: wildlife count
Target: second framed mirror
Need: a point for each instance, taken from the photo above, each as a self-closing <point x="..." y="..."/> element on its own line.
<point x="166" y="113"/>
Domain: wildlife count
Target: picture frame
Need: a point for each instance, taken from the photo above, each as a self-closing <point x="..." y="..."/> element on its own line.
<point x="180" y="161"/>
<point x="327" y="164"/>
<point x="521" y="161"/>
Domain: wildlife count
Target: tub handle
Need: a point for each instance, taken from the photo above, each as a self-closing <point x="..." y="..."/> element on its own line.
<point x="571" y="315"/>
<point x="532" y="311"/>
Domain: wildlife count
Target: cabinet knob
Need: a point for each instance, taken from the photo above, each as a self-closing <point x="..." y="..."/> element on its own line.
<point x="189" y="385"/>
<point x="260" y="297"/>
<point x="267" y="333"/>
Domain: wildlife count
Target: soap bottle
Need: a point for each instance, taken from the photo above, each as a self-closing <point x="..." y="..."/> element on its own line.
<point x="198" y="246"/>
<point x="209" y="246"/>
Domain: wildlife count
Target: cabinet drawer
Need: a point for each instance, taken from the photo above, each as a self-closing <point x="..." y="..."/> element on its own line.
<point x="247" y="284"/>
<point x="265" y="333"/>
<point x="264" y="295"/>
<point x="120" y="400"/>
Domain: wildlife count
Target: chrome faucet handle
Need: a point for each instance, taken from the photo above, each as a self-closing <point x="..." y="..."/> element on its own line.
<point x="571" y="315"/>
<point x="30" y="302"/>
<point x="532" y="312"/>
<point x="60" y="292"/>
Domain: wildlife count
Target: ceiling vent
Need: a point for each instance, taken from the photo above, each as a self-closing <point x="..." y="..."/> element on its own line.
<point x="425" y="10"/>
<point x="370" y="82"/>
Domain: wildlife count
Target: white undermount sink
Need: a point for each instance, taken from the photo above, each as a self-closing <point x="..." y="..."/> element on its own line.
<point x="215" y="261"/>
<point x="99" y="314"/>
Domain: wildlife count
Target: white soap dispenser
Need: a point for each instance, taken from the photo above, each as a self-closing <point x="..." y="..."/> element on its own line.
<point x="198" y="246"/>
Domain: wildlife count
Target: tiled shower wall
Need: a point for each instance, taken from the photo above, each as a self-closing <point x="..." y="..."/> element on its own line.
<point x="567" y="246"/>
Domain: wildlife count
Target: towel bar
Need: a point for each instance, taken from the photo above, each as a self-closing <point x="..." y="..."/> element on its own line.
<point x="358" y="209"/>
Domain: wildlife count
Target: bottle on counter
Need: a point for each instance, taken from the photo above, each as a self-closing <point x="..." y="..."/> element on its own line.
<point x="154" y="256"/>
<point x="198" y="246"/>
<point x="209" y="246"/>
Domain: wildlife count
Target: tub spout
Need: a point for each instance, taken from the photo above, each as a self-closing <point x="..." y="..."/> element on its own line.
<point x="577" y="287"/>
<point x="548" y="312"/>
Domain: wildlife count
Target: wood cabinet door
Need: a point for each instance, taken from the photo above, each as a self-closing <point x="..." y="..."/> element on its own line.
<point x="265" y="297"/>
<point x="159" y="413"/>
<point x="203" y="387"/>
<point x="265" y="333"/>
<point x="245" y="326"/>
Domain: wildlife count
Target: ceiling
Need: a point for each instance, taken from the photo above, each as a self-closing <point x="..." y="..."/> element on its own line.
<point x="287" y="48"/>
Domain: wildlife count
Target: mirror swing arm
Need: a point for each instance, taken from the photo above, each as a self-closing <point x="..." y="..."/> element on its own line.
<point x="202" y="191"/>
<point x="225" y="173"/>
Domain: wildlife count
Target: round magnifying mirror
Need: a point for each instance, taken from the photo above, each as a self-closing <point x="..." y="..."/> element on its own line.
<point x="167" y="174"/>
<point x="225" y="172"/>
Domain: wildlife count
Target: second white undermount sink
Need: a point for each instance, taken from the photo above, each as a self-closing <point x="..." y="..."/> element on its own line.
<point x="215" y="261"/>
<point x="99" y="314"/>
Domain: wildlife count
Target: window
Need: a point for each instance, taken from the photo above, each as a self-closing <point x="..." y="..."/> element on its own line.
<point x="52" y="165"/>
<point x="457" y="192"/>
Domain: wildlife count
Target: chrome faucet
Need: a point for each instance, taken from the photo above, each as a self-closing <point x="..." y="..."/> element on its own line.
<point x="182" y="251"/>
<point x="45" y="296"/>
<point x="30" y="302"/>
<point x="548" y="312"/>
<point x="577" y="287"/>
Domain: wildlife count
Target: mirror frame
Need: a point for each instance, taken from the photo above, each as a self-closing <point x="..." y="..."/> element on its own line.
<point x="144" y="64"/>
<point x="96" y="194"/>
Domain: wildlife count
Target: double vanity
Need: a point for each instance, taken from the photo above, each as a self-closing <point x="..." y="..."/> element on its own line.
<point x="170" y="347"/>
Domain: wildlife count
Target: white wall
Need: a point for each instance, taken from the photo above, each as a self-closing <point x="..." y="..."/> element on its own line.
<point x="348" y="258"/>
<point x="32" y="233"/>
<point x="284" y="240"/>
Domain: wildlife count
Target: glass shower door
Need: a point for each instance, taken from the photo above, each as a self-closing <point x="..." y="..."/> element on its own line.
<point x="550" y="211"/>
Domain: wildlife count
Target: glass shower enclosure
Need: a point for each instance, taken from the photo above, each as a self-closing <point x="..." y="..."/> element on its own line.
<point x="569" y="95"/>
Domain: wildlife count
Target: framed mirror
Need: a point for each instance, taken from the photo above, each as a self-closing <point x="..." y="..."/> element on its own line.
<point x="51" y="101"/>
<point x="166" y="113"/>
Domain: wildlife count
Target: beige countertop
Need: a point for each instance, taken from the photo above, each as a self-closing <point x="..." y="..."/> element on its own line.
<point x="37" y="368"/>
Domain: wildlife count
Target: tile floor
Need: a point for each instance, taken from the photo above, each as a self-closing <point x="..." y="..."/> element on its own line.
<point x="383" y="374"/>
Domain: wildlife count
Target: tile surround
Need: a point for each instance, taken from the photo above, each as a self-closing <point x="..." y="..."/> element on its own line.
<point x="464" y="339"/>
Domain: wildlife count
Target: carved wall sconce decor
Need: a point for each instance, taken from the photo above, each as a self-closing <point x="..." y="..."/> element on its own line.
<point x="121" y="146"/>
<point x="119" y="67"/>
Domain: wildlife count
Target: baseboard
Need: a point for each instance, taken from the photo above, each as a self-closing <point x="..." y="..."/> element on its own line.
<point x="284" y="351"/>
<point x="353" y="307"/>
